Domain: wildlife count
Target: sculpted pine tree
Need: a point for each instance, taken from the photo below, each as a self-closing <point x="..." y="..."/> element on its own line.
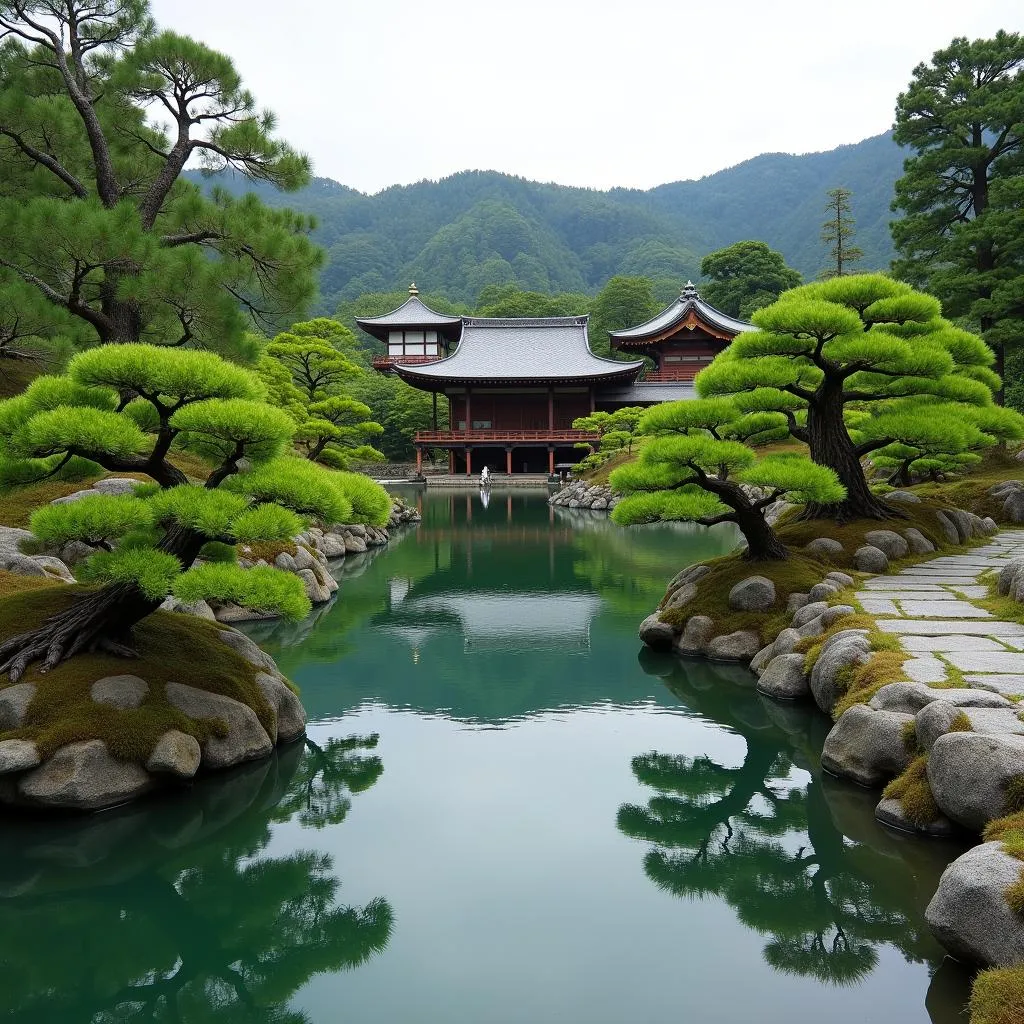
<point x="852" y="345"/>
<point x="837" y="233"/>
<point x="254" y="492"/>
<point x="99" y="114"/>
<point x="693" y="473"/>
<point x="309" y="377"/>
<point x="962" y="189"/>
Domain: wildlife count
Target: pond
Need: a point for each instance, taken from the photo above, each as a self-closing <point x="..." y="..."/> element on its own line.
<point x="507" y="812"/>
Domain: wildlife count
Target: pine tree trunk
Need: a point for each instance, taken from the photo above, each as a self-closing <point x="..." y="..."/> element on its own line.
<point x="763" y="543"/>
<point x="98" y="620"/>
<point x="831" y="446"/>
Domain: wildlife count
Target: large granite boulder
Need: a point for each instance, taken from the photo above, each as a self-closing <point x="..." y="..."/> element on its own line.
<point x="739" y="646"/>
<point x="14" y="702"/>
<point x="656" y="634"/>
<point x="290" y="715"/>
<point x="918" y="543"/>
<point x="696" y="635"/>
<point x="18" y="756"/>
<point x="910" y="698"/>
<point x="888" y="541"/>
<point x="784" y="678"/>
<point x="970" y="775"/>
<point x="870" y="559"/>
<point x="243" y="740"/>
<point x="839" y="654"/>
<point x="176" y="754"/>
<point x="121" y="692"/>
<point x="754" y="594"/>
<point x="867" y="746"/>
<point x="84" y="777"/>
<point x="824" y="548"/>
<point x="969" y="914"/>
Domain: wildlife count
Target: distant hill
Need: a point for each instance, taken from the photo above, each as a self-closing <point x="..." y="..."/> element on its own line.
<point x="481" y="227"/>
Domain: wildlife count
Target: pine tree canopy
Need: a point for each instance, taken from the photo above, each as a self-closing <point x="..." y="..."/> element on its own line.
<point x="688" y="472"/>
<point x="307" y="376"/>
<point x="255" y="491"/>
<point x="853" y="344"/>
<point x="101" y="237"/>
<point x="962" y="117"/>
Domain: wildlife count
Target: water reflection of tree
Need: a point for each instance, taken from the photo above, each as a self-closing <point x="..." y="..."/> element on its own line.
<point x="768" y="845"/>
<point x="319" y="793"/>
<point x="174" y="914"/>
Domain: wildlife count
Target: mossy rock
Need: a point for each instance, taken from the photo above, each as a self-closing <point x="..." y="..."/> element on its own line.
<point x="173" y="649"/>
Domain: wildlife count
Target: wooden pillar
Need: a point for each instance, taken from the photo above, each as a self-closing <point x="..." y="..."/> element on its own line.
<point x="419" y="461"/>
<point x="551" y="408"/>
<point x="551" y="460"/>
<point x="451" y="462"/>
<point x="469" y="412"/>
<point x="433" y="395"/>
<point x="469" y="461"/>
<point x="508" y="461"/>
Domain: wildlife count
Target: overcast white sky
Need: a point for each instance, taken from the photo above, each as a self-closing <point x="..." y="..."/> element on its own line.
<point x="581" y="92"/>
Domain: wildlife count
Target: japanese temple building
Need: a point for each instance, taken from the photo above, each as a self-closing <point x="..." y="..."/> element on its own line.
<point x="514" y="386"/>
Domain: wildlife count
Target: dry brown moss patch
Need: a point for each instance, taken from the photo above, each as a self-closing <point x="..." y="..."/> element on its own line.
<point x="172" y="648"/>
<point x="998" y="996"/>
<point x="914" y="793"/>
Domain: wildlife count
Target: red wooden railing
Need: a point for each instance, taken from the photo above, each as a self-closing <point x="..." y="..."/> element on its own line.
<point x="441" y="437"/>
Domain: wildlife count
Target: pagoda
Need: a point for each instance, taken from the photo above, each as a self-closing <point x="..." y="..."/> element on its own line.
<point x="681" y="340"/>
<point x="514" y="386"/>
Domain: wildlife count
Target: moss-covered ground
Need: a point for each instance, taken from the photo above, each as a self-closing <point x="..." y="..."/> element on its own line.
<point x="18" y="503"/>
<point x="998" y="996"/>
<point x="172" y="648"/>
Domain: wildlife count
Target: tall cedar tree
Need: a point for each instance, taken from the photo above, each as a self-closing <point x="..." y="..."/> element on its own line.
<point x="745" y="276"/>
<point x="828" y="350"/>
<point x="255" y="492"/>
<point x="99" y="113"/>
<point x="696" y="471"/>
<point x="962" y="192"/>
<point x="837" y="233"/>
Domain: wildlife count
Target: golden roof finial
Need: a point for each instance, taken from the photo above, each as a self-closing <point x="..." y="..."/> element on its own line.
<point x="413" y="290"/>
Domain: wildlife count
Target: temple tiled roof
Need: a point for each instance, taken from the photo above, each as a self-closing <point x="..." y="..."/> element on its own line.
<point x="412" y="313"/>
<point x="638" y="394"/>
<point x="541" y="349"/>
<point x="689" y="299"/>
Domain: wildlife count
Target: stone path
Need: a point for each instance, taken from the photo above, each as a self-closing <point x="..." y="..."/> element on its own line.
<point x="931" y="606"/>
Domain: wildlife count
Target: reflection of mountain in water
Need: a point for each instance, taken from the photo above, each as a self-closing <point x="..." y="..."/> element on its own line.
<point x="803" y="863"/>
<point x="171" y="912"/>
<point x="491" y="613"/>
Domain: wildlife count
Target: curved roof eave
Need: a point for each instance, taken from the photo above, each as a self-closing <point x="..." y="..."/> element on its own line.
<point x="677" y="311"/>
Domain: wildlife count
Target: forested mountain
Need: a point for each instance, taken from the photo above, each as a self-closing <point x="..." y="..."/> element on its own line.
<point x="475" y="228"/>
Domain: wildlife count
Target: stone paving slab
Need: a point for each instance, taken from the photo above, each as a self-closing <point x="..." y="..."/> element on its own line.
<point x="877" y="606"/>
<point x="947" y="609"/>
<point x="948" y="627"/>
<point x="895" y="583"/>
<point x="925" y="670"/>
<point x="909" y="595"/>
<point x="1008" y="685"/>
<point x="959" y="642"/>
<point x="971" y="591"/>
<point x="980" y="661"/>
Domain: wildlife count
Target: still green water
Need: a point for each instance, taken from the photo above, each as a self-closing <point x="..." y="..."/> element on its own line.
<point x="507" y="812"/>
